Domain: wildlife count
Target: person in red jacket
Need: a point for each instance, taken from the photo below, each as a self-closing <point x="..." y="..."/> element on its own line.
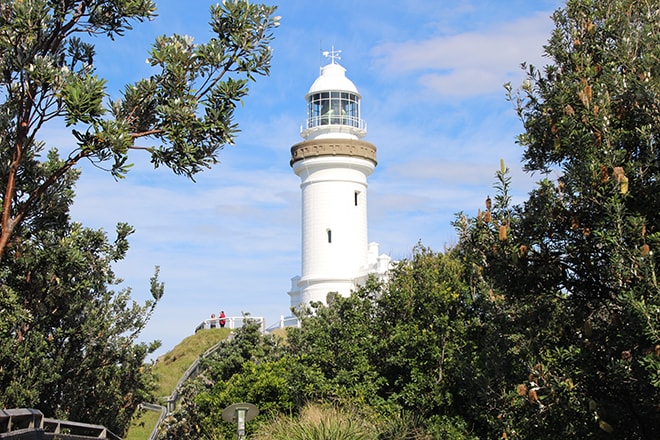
<point x="222" y="319"/>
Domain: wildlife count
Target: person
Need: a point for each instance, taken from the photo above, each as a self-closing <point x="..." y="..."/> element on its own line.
<point x="213" y="321"/>
<point x="222" y="319"/>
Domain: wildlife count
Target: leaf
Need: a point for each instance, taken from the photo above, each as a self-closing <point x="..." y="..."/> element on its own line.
<point x="602" y="424"/>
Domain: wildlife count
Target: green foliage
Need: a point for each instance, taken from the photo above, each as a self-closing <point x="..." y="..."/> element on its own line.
<point x="68" y="340"/>
<point x="544" y="321"/>
<point x="69" y="343"/>
<point x="319" y="423"/>
<point x="335" y="351"/>
<point x="246" y="366"/>
<point x="388" y="346"/>
<point x="568" y="280"/>
<point x="83" y="99"/>
<point x="421" y="316"/>
<point x="168" y="369"/>
<point x="388" y="349"/>
<point x="183" y="112"/>
<point x="263" y="382"/>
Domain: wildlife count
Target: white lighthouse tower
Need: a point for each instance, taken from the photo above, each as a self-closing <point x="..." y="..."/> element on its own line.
<point x="333" y="164"/>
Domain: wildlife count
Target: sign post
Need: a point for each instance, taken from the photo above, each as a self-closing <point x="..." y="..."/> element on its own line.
<point x="240" y="413"/>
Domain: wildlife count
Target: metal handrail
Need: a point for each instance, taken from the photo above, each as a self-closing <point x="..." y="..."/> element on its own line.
<point x="322" y="120"/>
<point x="285" y="321"/>
<point x="193" y="369"/>
<point x="24" y="421"/>
<point x="231" y="322"/>
<point x="31" y="419"/>
<point x="78" y="430"/>
<point x="163" y="414"/>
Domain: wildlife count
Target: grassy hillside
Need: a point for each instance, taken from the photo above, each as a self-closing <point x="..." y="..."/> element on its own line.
<point x="168" y="369"/>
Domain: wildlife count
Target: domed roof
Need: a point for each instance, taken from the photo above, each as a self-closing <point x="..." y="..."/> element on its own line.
<point x="333" y="77"/>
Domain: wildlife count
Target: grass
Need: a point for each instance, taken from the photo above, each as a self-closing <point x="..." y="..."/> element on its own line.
<point x="318" y="422"/>
<point x="170" y="367"/>
<point x="168" y="370"/>
<point x="142" y="425"/>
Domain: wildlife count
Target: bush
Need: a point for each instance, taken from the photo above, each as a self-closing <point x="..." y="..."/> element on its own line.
<point x="318" y="422"/>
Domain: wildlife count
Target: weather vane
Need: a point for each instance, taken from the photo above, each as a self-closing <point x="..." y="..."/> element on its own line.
<point x="332" y="54"/>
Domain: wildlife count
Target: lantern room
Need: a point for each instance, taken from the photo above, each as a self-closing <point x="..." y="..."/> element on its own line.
<point x="333" y="106"/>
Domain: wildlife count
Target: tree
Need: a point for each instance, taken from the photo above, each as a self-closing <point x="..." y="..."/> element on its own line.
<point x="395" y="347"/>
<point x="246" y="367"/>
<point x="572" y="272"/>
<point x="335" y="351"/>
<point x="517" y="319"/>
<point x="69" y="342"/>
<point x="390" y="353"/>
<point x="185" y="108"/>
<point x="421" y="311"/>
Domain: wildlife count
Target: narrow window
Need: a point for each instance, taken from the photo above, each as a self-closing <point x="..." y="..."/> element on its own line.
<point x="329" y="235"/>
<point x="356" y="197"/>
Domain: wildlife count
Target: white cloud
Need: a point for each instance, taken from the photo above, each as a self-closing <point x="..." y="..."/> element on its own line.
<point x="471" y="63"/>
<point x="461" y="83"/>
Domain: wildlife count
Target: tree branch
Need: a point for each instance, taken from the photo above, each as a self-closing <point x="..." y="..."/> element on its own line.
<point x="147" y="133"/>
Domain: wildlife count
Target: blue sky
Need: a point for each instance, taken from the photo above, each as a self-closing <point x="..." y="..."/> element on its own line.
<point x="431" y="76"/>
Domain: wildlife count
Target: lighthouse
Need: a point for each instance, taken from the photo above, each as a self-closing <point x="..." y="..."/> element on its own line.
<point x="333" y="163"/>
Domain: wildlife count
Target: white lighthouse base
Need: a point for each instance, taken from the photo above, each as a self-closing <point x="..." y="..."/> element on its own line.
<point x="311" y="289"/>
<point x="316" y="290"/>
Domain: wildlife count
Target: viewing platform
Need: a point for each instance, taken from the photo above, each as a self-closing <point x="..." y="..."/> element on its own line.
<point x="233" y="322"/>
<point x="30" y="424"/>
